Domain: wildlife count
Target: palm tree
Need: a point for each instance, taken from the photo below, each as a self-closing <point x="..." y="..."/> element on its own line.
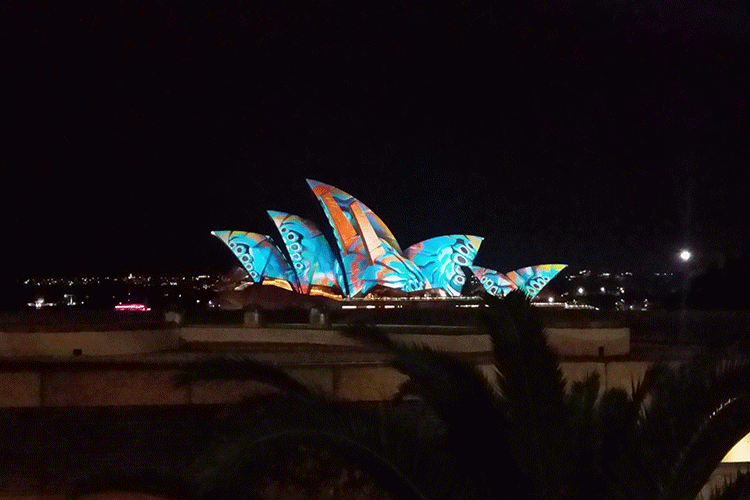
<point x="522" y="436"/>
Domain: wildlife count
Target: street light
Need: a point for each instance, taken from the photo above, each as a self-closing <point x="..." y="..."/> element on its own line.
<point x="685" y="256"/>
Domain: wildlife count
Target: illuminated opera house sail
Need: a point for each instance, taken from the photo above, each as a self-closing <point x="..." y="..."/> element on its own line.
<point x="368" y="261"/>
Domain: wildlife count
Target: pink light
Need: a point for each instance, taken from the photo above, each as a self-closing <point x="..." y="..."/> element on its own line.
<point x="132" y="307"/>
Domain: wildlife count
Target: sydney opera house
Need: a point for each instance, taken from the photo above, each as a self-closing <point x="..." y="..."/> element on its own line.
<point x="368" y="261"/>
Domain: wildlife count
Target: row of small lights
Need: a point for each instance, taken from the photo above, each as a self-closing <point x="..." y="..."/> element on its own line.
<point x="173" y="280"/>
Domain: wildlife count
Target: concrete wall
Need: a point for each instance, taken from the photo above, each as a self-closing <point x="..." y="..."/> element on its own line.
<point x="94" y="382"/>
<point x="465" y="342"/>
<point x="567" y="341"/>
<point x="53" y="377"/>
<point x="593" y="342"/>
<point x="97" y="383"/>
<point x="20" y="388"/>
<point x="87" y="343"/>
<point x="39" y="369"/>
<point x="111" y="387"/>
<point x="590" y="341"/>
<point x="124" y="495"/>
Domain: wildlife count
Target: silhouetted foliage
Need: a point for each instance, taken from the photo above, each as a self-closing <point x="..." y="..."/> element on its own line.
<point x="521" y="435"/>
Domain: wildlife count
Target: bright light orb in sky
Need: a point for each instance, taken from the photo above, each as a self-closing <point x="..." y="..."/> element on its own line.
<point x="685" y="255"/>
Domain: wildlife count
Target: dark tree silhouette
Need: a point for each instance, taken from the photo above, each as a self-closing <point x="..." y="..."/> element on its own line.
<point x="460" y="435"/>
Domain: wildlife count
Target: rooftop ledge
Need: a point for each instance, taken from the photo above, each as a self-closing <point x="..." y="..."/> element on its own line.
<point x="585" y="342"/>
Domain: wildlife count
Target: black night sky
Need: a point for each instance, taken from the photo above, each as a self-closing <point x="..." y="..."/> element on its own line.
<point x="599" y="134"/>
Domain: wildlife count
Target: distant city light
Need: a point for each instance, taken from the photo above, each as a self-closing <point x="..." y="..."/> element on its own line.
<point x="132" y="307"/>
<point x="685" y="255"/>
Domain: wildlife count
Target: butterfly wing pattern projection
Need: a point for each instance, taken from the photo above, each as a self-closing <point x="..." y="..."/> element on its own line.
<point x="260" y="257"/>
<point x="391" y="270"/>
<point x="494" y="282"/>
<point x="440" y="259"/>
<point x="370" y="255"/>
<point x="311" y="256"/>
<point x="368" y="249"/>
<point x="532" y="279"/>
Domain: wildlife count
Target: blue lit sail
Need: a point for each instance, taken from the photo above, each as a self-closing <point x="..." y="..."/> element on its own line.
<point x="371" y="260"/>
<point x="440" y="259"/>
<point x="496" y="283"/>
<point x="312" y="258"/>
<point x="369" y="250"/>
<point x="260" y="257"/>
<point x="532" y="279"/>
<point x="348" y="204"/>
